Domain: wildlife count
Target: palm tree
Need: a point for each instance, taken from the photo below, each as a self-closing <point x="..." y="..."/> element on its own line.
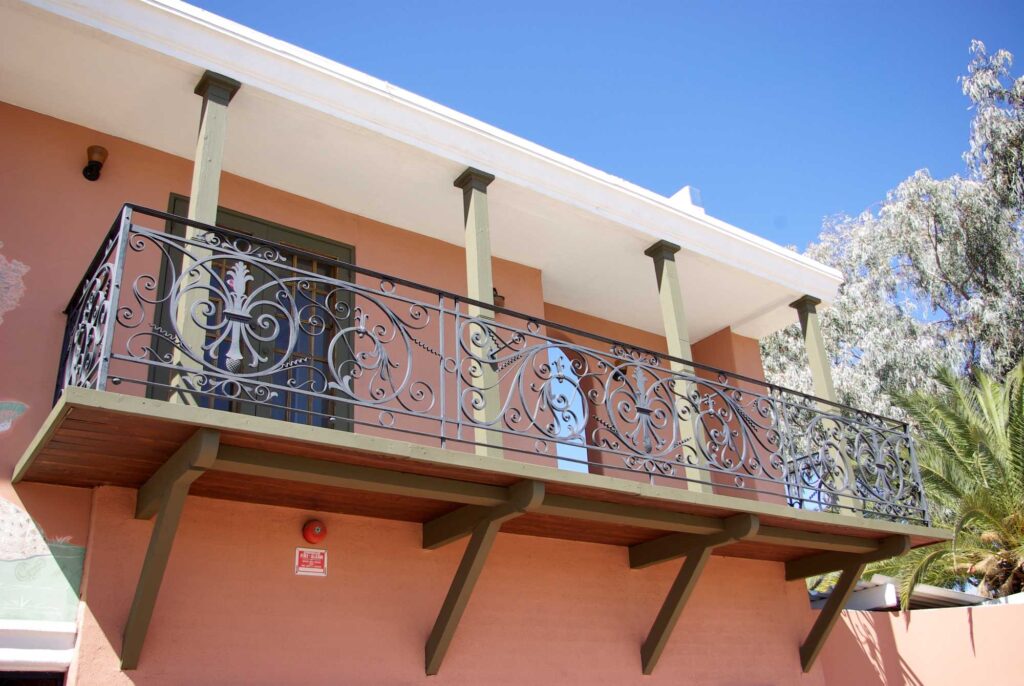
<point x="971" y="452"/>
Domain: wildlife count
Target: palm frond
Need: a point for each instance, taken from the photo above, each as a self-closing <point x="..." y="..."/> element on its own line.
<point x="970" y="439"/>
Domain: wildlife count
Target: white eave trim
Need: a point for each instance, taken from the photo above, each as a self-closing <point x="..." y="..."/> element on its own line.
<point x="36" y="645"/>
<point x="203" y="39"/>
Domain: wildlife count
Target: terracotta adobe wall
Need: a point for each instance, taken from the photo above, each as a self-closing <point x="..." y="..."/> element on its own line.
<point x="544" y="612"/>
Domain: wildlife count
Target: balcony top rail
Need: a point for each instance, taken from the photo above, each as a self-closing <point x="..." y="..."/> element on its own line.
<point x="198" y="314"/>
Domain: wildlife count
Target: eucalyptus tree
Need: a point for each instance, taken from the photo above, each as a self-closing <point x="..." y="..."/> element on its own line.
<point x="934" y="277"/>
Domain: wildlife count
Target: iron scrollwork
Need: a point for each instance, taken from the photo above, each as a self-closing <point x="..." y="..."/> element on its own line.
<point x="665" y="418"/>
<point x="231" y="319"/>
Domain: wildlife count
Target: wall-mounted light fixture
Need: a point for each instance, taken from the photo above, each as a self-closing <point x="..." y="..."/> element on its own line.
<point x="499" y="299"/>
<point x="97" y="155"/>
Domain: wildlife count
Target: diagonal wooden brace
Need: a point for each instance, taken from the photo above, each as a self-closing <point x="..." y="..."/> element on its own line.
<point x="164" y="495"/>
<point x="524" y="496"/>
<point x="697" y="553"/>
<point x="852" y="567"/>
<point x="187" y="464"/>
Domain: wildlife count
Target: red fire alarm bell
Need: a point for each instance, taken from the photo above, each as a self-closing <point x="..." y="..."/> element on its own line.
<point x="314" y="531"/>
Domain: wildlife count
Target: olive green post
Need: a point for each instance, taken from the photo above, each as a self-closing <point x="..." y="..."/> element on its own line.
<point x="480" y="286"/>
<point x="817" y="356"/>
<point x="677" y="336"/>
<point x="821" y="375"/>
<point x="217" y="92"/>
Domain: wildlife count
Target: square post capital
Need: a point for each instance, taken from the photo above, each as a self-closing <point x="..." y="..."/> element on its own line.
<point x="217" y="87"/>
<point x="662" y="251"/>
<point x="473" y="179"/>
<point x="807" y="304"/>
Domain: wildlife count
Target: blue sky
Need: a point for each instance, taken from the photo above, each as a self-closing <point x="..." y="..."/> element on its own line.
<point x="781" y="113"/>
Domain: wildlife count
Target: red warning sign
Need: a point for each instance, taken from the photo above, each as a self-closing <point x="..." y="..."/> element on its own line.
<point x="310" y="562"/>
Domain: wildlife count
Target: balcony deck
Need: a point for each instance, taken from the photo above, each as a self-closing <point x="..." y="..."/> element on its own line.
<point x="95" y="438"/>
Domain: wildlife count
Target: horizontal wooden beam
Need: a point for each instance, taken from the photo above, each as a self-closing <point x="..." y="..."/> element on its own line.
<point x="797" y="538"/>
<point x="674" y="546"/>
<point x="186" y="465"/>
<point x="287" y="467"/>
<point x="629" y="515"/>
<point x="663" y="549"/>
<point x="274" y="465"/>
<point x="823" y="563"/>
<point x="452" y="526"/>
<point x="736" y="528"/>
<point x="525" y="496"/>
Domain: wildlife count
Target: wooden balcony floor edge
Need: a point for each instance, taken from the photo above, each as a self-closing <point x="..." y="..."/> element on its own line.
<point x="94" y="438"/>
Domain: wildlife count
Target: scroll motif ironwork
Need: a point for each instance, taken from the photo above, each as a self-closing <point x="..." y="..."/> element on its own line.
<point x="222" y="320"/>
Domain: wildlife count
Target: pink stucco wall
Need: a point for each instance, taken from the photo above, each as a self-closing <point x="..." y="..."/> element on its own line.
<point x="544" y="612"/>
<point x="961" y="645"/>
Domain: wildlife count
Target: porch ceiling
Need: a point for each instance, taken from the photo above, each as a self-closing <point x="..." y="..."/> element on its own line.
<point x="320" y="130"/>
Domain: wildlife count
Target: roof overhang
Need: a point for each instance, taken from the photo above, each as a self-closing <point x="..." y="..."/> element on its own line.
<point x="318" y="129"/>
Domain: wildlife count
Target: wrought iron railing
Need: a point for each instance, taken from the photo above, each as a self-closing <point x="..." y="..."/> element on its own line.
<point x="196" y="314"/>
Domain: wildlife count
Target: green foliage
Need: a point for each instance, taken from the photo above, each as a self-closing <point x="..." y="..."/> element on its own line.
<point x="971" y="453"/>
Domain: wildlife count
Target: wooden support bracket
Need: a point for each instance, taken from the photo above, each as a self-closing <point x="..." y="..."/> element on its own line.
<point x="187" y="464"/>
<point x="698" y="550"/>
<point x="852" y="567"/>
<point x="813" y="565"/>
<point x="164" y="495"/>
<point x="674" y="546"/>
<point x="524" y="496"/>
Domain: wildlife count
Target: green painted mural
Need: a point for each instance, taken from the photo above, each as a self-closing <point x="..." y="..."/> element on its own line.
<point x="39" y="579"/>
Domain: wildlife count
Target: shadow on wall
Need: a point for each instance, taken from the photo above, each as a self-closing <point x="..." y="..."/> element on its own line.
<point x="876" y="642"/>
<point x="942" y="646"/>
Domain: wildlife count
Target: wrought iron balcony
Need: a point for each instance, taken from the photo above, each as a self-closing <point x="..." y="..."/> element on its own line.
<point x="190" y="313"/>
